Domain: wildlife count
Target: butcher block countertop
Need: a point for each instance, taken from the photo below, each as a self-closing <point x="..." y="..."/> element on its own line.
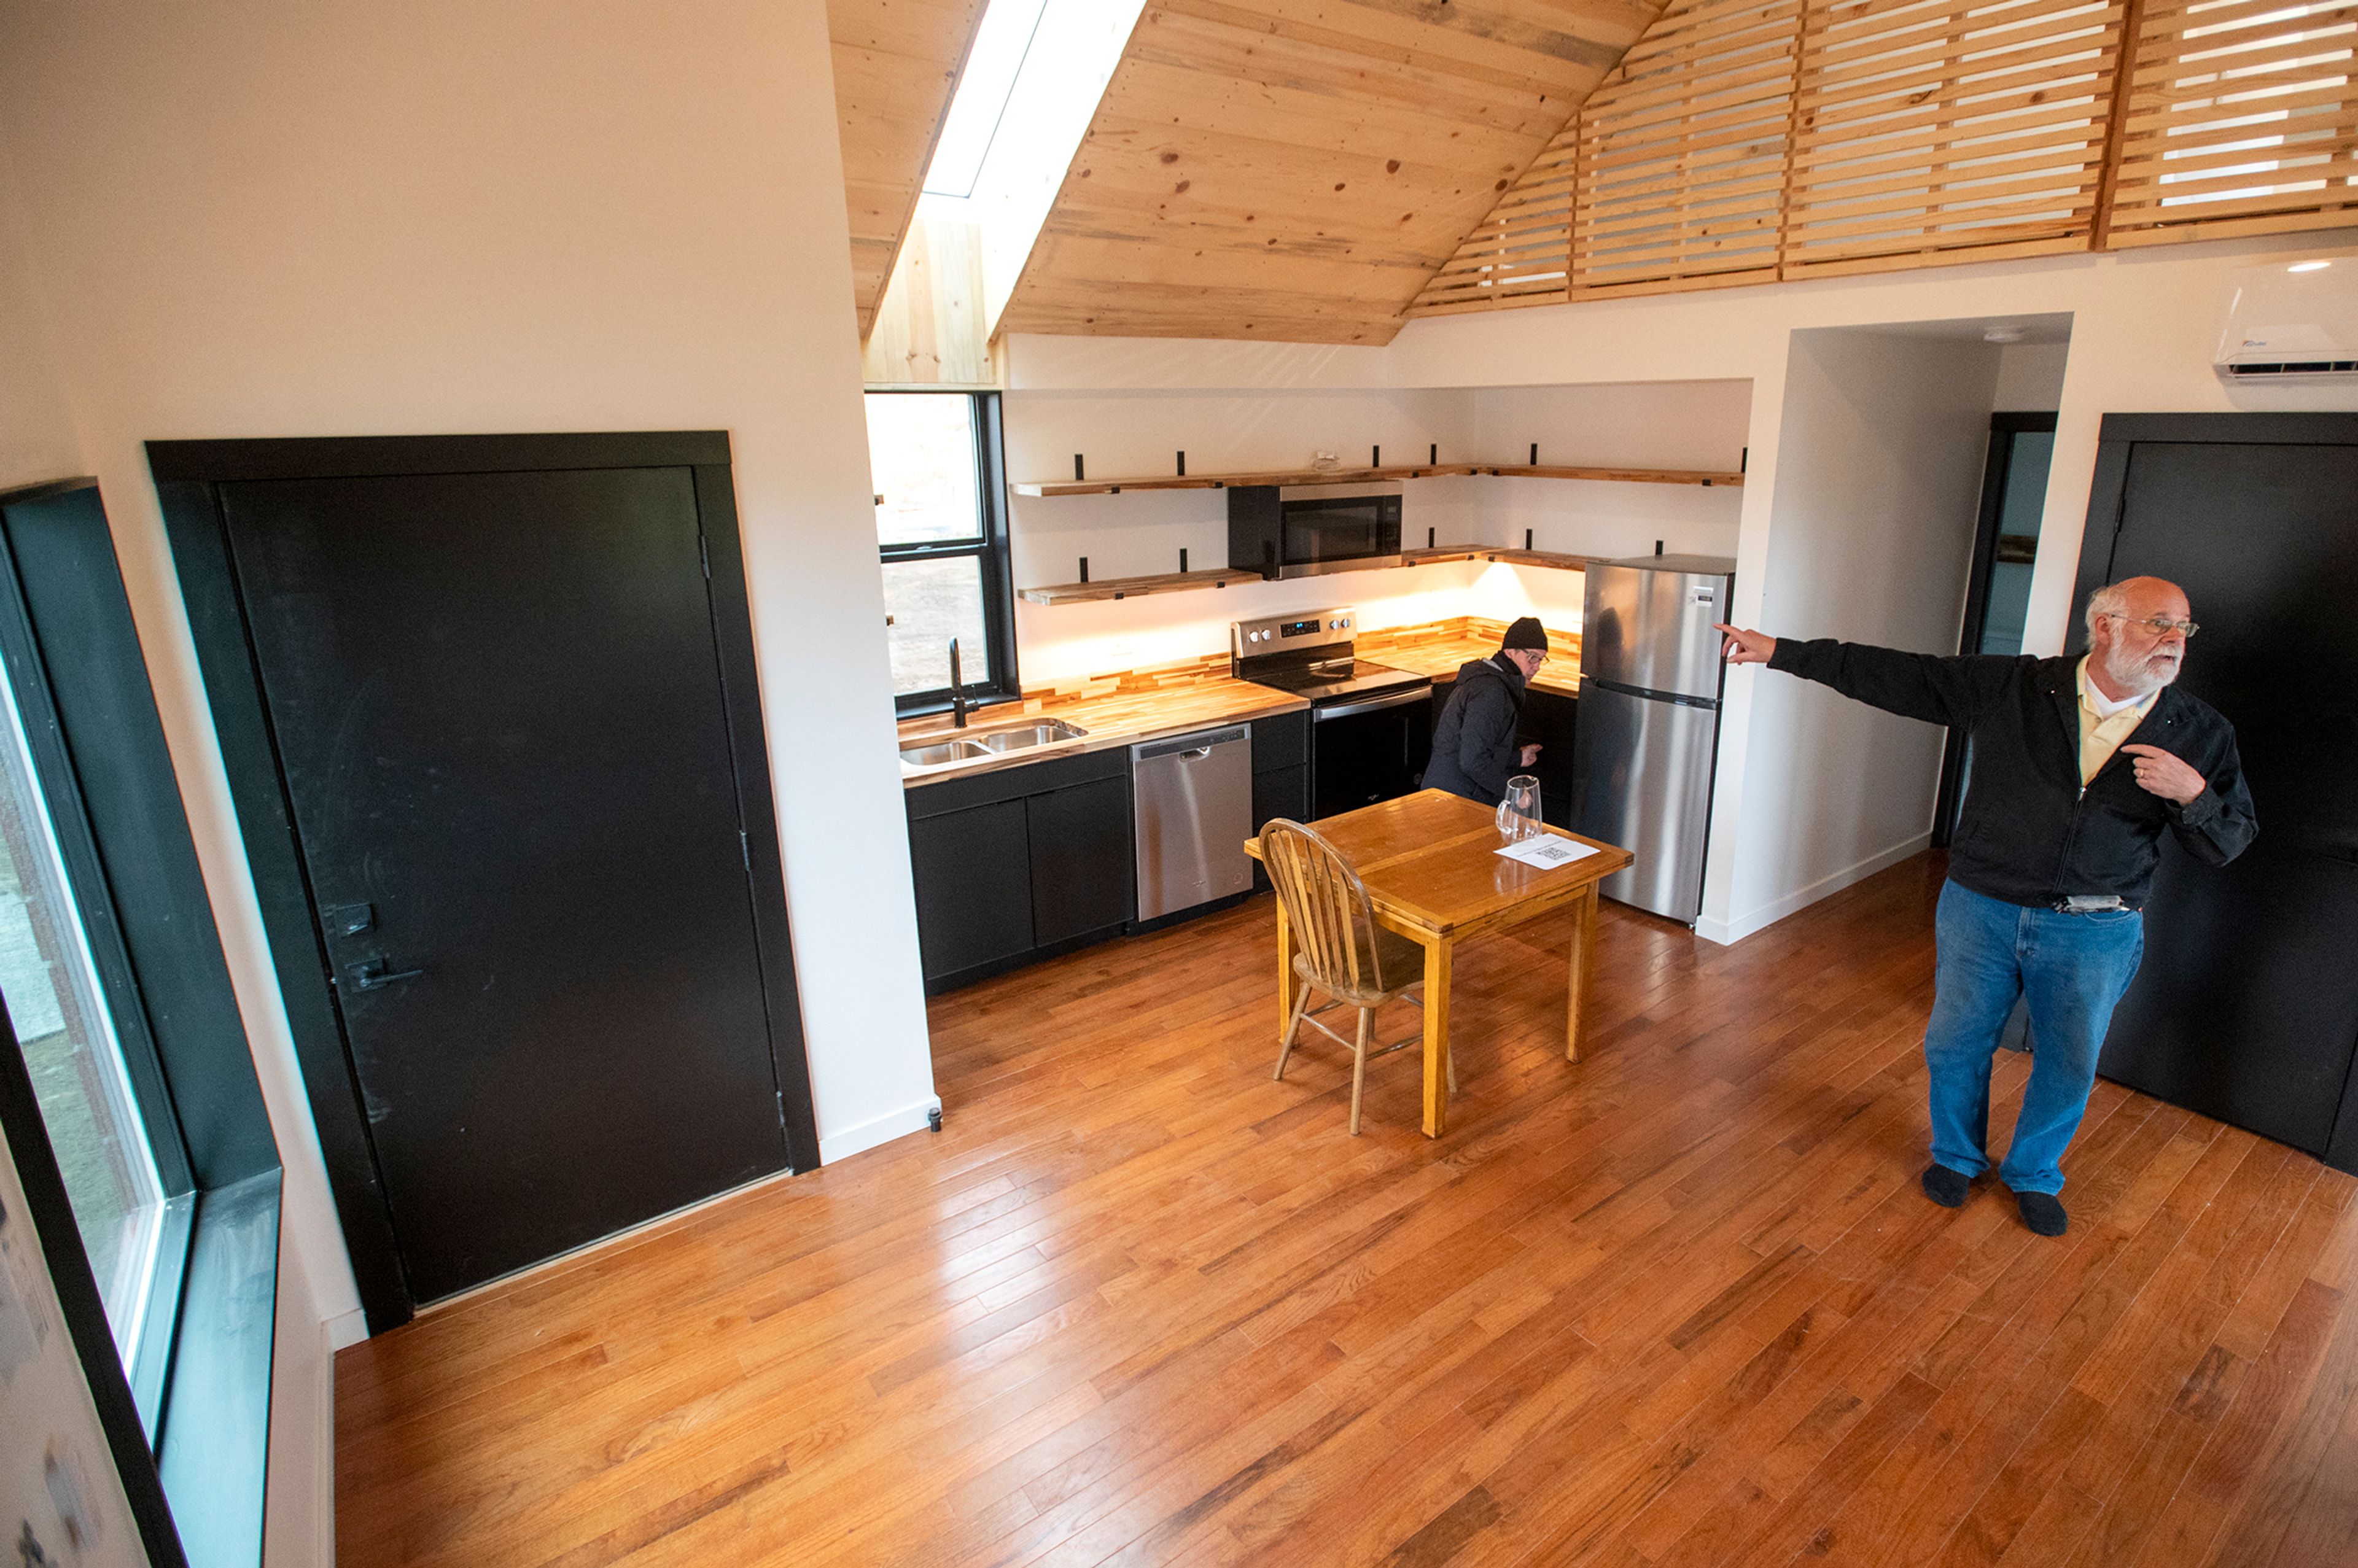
<point x="1116" y="711"/>
<point x="1439" y="648"/>
<point x="1130" y="706"/>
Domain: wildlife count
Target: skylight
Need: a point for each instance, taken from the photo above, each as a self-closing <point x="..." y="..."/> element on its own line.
<point x="1000" y="45"/>
<point x="1023" y="102"/>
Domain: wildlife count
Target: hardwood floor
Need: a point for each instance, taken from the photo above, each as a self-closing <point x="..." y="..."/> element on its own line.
<point x="1679" y="1304"/>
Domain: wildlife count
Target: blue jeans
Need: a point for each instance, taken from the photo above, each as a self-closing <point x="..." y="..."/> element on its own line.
<point x="2072" y="969"/>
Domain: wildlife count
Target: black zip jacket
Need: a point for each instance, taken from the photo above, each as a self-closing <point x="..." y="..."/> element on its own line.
<point x="2029" y="835"/>
<point x="1474" y="749"/>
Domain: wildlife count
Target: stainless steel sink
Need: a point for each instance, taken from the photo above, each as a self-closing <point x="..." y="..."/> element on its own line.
<point x="1024" y="737"/>
<point x="985" y="743"/>
<point x="942" y="753"/>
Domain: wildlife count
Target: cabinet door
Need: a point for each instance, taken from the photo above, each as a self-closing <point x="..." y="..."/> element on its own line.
<point x="1080" y="859"/>
<point x="1553" y="720"/>
<point x="1282" y="792"/>
<point x="973" y="872"/>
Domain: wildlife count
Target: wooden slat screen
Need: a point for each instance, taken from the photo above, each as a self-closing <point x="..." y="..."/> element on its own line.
<point x="1939" y="125"/>
<point x="2241" y="117"/>
<point x="1680" y="154"/>
<point x="1516" y="256"/>
<point x="1744" y="141"/>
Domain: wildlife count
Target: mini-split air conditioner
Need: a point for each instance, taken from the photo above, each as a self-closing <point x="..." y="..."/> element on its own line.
<point x="2291" y="322"/>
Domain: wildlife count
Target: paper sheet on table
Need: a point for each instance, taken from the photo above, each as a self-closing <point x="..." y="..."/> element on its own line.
<point x="1548" y="852"/>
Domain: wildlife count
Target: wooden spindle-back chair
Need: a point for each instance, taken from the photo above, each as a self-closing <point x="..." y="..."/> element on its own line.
<point x="1338" y="947"/>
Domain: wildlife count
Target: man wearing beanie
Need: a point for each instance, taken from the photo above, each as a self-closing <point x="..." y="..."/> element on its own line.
<point x="1474" y="751"/>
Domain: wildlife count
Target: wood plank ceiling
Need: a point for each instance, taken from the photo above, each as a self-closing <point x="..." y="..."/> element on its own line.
<point x="896" y="63"/>
<point x="1295" y="169"/>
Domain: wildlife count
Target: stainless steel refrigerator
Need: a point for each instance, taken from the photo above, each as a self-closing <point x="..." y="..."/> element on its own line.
<point x="1648" y="728"/>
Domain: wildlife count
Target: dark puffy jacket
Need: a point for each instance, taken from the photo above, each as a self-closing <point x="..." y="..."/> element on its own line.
<point x="1474" y="751"/>
<point x="2028" y="834"/>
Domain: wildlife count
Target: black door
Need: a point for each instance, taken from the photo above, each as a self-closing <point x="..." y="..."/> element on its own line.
<point x="2246" y="1007"/>
<point x="499" y="713"/>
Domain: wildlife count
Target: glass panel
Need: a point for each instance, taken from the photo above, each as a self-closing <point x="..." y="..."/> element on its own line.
<point x="2019" y="511"/>
<point x="61" y="1022"/>
<point x="931" y="602"/>
<point x="920" y="459"/>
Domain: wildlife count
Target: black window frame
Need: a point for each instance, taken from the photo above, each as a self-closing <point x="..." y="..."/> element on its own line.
<point x="990" y="549"/>
<point x="195" y="1428"/>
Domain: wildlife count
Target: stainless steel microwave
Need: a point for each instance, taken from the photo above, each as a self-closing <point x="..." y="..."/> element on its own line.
<point x="1304" y="530"/>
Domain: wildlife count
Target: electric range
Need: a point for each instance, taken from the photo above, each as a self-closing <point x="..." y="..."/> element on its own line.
<point x="1370" y="725"/>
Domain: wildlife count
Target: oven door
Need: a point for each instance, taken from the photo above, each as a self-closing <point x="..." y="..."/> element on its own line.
<point x="1369" y="750"/>
<point x="1337" y="533"/>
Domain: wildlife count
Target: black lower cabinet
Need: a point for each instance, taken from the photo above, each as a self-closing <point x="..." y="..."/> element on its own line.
<point x="1019" y="865"/>
<point x="1080" y="859"/>
<point x="973" y="873"/>
<point x="1551" y="718"/>
<point x="1280" y="781"/>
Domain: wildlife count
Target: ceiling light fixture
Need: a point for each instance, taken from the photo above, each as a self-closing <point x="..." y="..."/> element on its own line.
<point x="2308" y="266"/>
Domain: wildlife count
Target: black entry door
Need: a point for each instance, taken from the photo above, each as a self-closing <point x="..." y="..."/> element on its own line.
<point x="499" y="713"/>
<point x="2246" y="1007"/>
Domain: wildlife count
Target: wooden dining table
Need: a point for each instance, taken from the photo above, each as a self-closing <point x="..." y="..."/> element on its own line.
<point x="1432" y="872"/>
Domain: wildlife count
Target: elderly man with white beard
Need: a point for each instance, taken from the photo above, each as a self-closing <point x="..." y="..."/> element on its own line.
<point x="2079" y="765"/>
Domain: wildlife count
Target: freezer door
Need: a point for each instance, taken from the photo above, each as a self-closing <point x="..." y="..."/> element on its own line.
<point x="1650" y="629"/>
<point x="1644" y="782"/>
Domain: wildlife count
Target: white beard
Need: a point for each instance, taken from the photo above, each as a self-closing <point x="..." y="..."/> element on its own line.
<point x="2138" y="678"/>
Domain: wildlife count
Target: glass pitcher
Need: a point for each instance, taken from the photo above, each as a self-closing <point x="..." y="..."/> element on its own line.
<point x="1519" y="814"/>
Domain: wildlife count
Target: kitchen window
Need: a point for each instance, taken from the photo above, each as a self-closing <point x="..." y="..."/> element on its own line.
<point x="941" y="525"/>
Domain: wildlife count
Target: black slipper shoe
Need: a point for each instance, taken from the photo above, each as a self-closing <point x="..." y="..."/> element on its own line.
<point x="2043" y="1212"/>
<point x="1946" y="1187"/>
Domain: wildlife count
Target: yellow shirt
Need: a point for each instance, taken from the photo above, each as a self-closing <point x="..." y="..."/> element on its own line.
<point x="2104" y="726"/>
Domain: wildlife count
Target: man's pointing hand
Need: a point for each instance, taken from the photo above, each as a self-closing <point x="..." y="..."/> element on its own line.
<point x="1745" y="647"/>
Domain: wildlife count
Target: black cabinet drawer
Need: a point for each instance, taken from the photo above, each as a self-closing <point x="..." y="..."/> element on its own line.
<point x="1280" y="740"/>
<point x="956" y="792"/>
<point x="1080" y="860"/>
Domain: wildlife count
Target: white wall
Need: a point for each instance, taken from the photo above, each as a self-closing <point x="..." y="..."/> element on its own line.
<point x="284" y="217"/>
<point x="1879" y="481"/>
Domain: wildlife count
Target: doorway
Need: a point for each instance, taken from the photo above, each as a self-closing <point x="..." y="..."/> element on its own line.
<point x="489" y="709"/>
<point x="1998" y="591"/>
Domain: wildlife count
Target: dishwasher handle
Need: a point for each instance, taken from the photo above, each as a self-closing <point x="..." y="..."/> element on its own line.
<point x="1191" y="747"/>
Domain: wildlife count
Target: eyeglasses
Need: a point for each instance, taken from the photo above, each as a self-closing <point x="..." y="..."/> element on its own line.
<point x="2160" y="626"/>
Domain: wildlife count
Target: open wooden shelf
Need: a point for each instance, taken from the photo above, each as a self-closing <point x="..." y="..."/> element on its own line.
<point x="1183" y="582"/>
<point x="1372" y="475"/>
<point x="1135" y="586"/>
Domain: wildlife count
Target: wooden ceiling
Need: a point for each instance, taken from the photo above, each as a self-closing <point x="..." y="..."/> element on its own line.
<point x="896" y="63"/>
<point x="1295" y="169"/>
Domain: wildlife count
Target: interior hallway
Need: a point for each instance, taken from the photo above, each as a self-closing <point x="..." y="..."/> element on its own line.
<point x="1679" y="1304"/>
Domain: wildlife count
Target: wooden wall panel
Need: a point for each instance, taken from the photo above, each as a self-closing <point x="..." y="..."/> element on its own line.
<point x="896" y="64"/>
<point x="928" y="326"/>
<point x="1296" y="169"/>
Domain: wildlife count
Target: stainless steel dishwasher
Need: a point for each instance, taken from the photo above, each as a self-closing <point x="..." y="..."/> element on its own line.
<point x="1192" y="796"/>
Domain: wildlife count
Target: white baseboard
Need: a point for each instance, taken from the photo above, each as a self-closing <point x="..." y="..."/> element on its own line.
<point x="325" y="1527"/>
<point x="851" y="1140"/>
<point x="346" y="1329"/>
<point x="1727" y="933"/>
